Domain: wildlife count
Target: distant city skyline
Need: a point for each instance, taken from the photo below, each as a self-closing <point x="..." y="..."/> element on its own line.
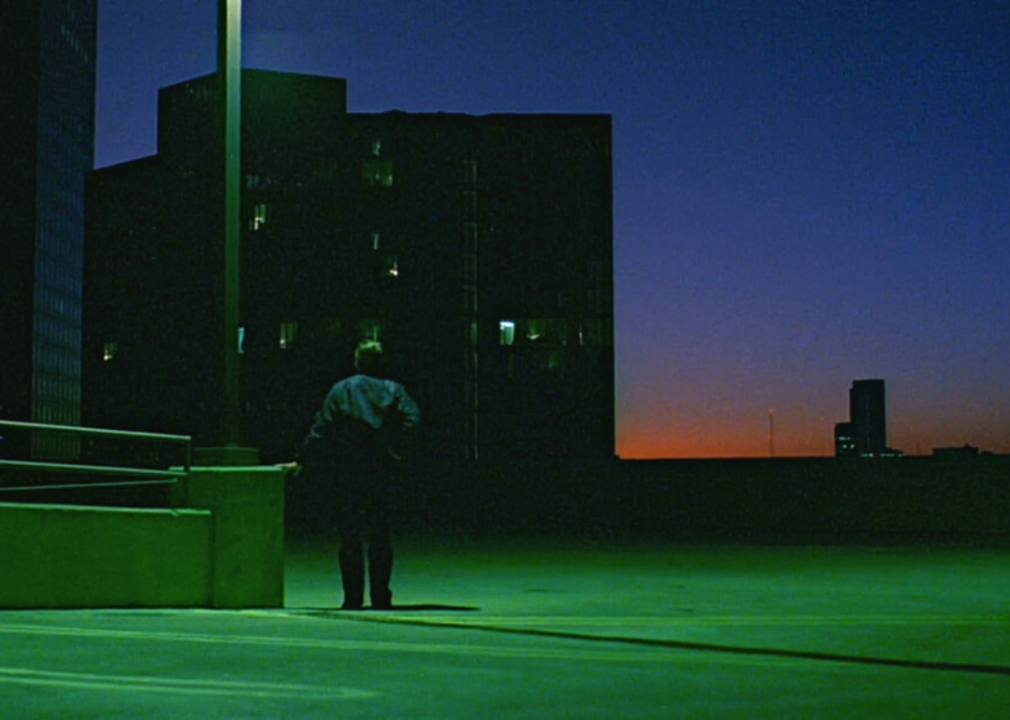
<point x="803" y="194"/>
<point x="864" y="434"/>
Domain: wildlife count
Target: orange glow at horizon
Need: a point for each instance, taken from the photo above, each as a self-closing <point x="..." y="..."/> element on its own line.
<point x="651" y="448"/>
<point x="648" y="444"/>
<point x="674" y="438"/>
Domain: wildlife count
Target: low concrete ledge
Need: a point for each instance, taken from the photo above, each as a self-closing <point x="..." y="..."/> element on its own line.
<point x="247" y="505"/>
<point x="63" y="556"/>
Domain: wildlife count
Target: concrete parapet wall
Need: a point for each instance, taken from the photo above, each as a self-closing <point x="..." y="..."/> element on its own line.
<point x="917" y="496"/>
<point x="247" y="505"/>
<point x="831" y="497"/>
<point x="61" y="556"/>
<point x="223" y="546"/>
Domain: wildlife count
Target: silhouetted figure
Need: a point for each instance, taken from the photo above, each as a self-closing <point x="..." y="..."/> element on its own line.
<point x="361" y="427"/>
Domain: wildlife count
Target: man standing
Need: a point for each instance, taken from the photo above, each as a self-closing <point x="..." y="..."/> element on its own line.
<point x="361" y="426"/>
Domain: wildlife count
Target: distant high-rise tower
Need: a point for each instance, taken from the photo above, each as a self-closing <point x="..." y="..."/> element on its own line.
<point x="868" y="416"/>
<point x="865" y="434"/>
<point x="47" y="48"/>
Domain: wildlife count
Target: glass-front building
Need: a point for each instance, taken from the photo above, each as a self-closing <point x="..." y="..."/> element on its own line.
<point x="48" y="106"/>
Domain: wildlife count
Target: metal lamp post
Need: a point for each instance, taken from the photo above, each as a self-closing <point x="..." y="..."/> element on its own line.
<point x="229" y="32"/>
<point x="230" y="72"/>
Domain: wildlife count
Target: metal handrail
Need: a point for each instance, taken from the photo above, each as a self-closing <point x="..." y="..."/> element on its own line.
<point x="167" y="476"/>
<point x="96" y="431"/>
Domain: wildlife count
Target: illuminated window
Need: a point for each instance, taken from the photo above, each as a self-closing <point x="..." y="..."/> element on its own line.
<point x="259" y="218"/>
<point x="375" y="241"/>
<point x="241" y="341"/>
<point x="370" y="330"/>
<point x="507" y="332"/>
<point x="288" y="332"/>
<point x="390" y="266"/>
<point x="377" y="172"/>
<point x="540" y="331"/>
<point x="376" y="148"/>
<point x="110" y="351"/>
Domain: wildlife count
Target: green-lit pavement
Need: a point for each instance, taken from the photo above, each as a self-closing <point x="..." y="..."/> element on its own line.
<point x="552" y="630"/>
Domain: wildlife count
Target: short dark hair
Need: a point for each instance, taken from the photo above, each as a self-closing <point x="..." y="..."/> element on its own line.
<point x="368" y="357"/>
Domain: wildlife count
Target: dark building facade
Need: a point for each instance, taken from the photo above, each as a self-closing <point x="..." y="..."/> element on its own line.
<point x="845" y="440"/>
<point x="47" y="50"/>
<point x="477" y="248"/>
<point x="868" y="416"/>
<point x="865" y="434"/>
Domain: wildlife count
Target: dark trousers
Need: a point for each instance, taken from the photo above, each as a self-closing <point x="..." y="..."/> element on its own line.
<point x="363" y="508"/>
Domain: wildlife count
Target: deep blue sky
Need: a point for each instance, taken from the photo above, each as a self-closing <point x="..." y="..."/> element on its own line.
<point x="805" y="193"/>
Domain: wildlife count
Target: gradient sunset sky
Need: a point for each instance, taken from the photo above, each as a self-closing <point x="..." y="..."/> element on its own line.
<point x="805" y="193"/>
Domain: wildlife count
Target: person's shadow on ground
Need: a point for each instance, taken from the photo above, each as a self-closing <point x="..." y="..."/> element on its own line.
<point x="421" y="607"/>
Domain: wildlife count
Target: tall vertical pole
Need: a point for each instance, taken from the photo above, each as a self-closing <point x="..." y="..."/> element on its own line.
<point x="230" y="72"/>
<point x="771" y="432"/>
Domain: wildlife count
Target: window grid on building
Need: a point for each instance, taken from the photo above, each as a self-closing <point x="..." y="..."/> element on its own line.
<point x="471" y="380"/>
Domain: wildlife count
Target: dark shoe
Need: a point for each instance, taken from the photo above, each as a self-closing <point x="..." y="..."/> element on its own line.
<point x="381" y="599"/>
<point x="350" y="606"/>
